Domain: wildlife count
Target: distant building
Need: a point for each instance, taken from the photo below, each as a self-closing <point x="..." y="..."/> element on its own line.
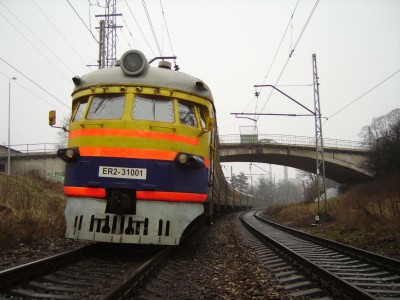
<point x="4" y="153"/>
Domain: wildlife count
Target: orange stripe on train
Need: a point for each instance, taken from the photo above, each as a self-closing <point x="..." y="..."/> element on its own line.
<point x="120" y="152"/>
<point x="127" y="152"/>
<point x="171" y="196"/>
<point x="76" y="191"/>
<point x="134" y="134"/>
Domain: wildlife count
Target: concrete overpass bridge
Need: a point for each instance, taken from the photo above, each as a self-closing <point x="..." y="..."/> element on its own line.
<point x="343" y="159"/>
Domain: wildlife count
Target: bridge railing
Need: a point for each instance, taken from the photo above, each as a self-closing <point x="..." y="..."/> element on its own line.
<point x="290" y="140"/>
<point x="26" y="149"/>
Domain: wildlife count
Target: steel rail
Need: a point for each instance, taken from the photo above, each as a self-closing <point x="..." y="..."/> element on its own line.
<point x="135" y="275"/>
<point x="99" y="269"/>
<point x="383" y="261"/>
<point x="327" y="277"/>
<point x="26" y="271"/>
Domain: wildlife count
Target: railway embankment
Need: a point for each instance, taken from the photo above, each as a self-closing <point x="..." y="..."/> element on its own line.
<point x="31" y="208"/>
<point x="366" y="216"/>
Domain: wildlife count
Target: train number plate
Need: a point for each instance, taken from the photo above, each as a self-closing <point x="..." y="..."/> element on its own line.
<point x="119" y="172"/>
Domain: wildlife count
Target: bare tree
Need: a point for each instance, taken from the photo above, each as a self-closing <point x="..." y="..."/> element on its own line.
<point x="63" y="134"/>
<point x="383" y="140"/>
<point x="310" y="184"/>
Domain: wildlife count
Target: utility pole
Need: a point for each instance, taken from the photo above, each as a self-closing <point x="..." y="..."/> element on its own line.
<point x="108" y="35"/>
<point x="319" y="145"/>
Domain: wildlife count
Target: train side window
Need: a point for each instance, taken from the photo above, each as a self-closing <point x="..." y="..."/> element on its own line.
<point x="106" y="107"/>
<point x="153" y="109"/>
<point x="187" y="114"/>
<point x="80" y="110"/>
<point x="203" y="116"/>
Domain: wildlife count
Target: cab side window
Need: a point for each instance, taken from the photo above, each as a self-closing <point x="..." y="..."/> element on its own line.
<point x="80" y="109"/>
<point x="161" y="110"/>
<point x="187" y="115"/>
<point x="106" y="107"/>
<point x="203" y="116"/>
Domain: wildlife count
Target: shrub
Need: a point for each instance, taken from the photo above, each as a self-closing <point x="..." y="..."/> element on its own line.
<point x="30" y="207"/>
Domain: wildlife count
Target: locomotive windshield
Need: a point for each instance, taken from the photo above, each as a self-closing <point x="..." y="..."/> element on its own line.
<point x="153" y="109"/>
<point x="148" y="108"/>
<point x="106" y="107"/>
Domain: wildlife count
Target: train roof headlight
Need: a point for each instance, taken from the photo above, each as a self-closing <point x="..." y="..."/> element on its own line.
<point x="133" y="62"/>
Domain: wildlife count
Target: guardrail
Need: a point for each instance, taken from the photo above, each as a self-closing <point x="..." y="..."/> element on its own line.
<point x="259" y="139"/>
<point x="24" y="149"/>
<point x="290" y="140"/>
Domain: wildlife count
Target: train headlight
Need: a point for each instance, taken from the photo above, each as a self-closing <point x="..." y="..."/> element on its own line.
<point x="182" y="158"/>
<point x="190" y="161"/>
<point x="133" y="62"/>
<point x="68" y="154"/>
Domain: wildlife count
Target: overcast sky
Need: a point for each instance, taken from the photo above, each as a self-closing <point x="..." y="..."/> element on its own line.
<point x="230" y="44"/>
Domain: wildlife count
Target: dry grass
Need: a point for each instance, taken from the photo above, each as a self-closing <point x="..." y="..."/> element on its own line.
<point x="30" y="207"/>
<point x="366" y="216"/>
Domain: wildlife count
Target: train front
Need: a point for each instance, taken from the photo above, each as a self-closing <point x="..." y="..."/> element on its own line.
<point x="138" y="155"/>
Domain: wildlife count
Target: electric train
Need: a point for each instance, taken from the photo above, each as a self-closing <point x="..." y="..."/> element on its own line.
<point x="142" y="159"/>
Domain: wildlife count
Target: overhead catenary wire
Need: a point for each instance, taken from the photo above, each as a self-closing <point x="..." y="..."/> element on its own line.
<point x="59" y="32"/>
<point x="140" y="29"/>
<point x="33" y="45"/>
<point x="90" y="31"/>
<point x="166" y="27"/>
<point x="30" y="91"/>
<point x="151" y="27"/>
<point x="364" y="94"/>
<point x="280" y="43"/>
<point x="39" y="40"/>
<point x="129" y="31"/>
<point x="276" y="52"/>
<point x="44" y="90"/>
<point x="291" y="52"/>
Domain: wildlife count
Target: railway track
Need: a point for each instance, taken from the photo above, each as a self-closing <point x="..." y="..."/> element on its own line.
<point x="308" y="266"/>
<point x="96" y="271"/>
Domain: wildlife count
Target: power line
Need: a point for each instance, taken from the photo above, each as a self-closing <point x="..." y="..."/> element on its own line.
<point x="151" y="27"/>
<point x="28" y="90"/>
<point x="83" y="22"/>
<point x="59" y="32"/>
<point x="32" y="44"/>
<point x="141" y="31"/>
<point x="126" y="40"/>
<point x="276" y="53"/>
<point x="367" y="92"/>
<point x="34" y="83"/>
<point x="305" y="26"/>
<point x="166" y="27"/>
<point x="291" y="52"/>
<point x="280" y="44"/>
<point x="129" y="31"/>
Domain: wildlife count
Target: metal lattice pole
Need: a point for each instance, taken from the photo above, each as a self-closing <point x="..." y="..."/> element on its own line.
<point x="108" y="35"/>
<point x="319" y="145"/>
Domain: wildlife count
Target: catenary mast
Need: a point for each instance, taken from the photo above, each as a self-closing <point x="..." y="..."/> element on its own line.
<point x="108" y="35"/>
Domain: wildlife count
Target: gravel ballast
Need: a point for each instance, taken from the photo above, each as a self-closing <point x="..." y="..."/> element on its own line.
<point x="215" y="264"/>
